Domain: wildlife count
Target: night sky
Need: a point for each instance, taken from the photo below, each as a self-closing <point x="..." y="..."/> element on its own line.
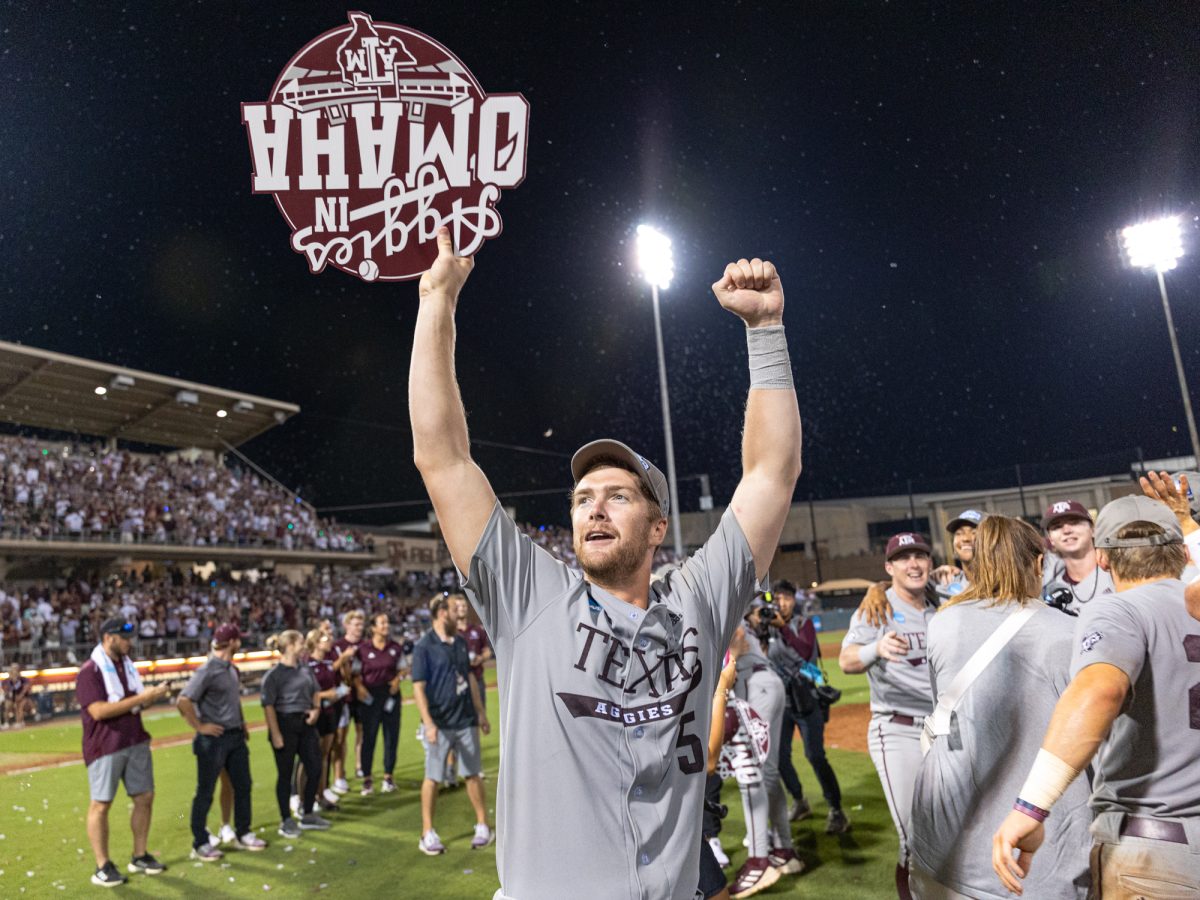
<point x="938" y="183"/>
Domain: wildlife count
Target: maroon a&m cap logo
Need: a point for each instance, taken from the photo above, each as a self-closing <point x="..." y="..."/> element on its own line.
<point x="906" y="542"/>
<point x="374" y="136"/>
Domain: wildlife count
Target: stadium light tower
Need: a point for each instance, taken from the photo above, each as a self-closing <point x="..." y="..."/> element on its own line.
<point x="657" y="265"/>
<point x="1158" y="245"/>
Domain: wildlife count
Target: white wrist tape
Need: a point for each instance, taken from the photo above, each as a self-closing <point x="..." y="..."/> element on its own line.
<point x="770" y="365"/>
<point x="868" y="654"/>
<point x="1048" y="778"/>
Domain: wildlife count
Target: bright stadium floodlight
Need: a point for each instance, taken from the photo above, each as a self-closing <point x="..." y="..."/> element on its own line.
<point x="1158" y="245"/>
<point x="1153" y="245"/>
<point x="654" y="257"/>
<point x="657" y="265"/>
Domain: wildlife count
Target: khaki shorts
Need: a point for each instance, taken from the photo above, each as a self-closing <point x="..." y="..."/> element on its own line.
<point x="463" y="742"/>
<point x="131" y="765"/>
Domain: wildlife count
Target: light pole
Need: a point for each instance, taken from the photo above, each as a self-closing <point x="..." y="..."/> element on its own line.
<point x="657" y="266"/>
<point x="1158" y="245"/>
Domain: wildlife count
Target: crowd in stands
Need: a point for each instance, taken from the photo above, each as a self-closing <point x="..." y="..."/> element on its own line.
<point x="80" y="491"/>
<point x="178" y="612"/>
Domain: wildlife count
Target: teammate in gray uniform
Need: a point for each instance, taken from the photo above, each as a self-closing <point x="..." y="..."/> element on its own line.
<point x="951" y="580"/>
<point x="1135" y="697"/>
<point x="605" y="678"/>
<point x="764" y="803"/>
<point x="893" y="656"/>
<point x="1071" y="562"/>
<point x="969" y="777"/>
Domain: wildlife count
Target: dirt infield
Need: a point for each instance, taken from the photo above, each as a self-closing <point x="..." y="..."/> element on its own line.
<point x="847" y="728"/>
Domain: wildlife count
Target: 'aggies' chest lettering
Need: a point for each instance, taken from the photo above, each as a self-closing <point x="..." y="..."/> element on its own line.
<point x="645" y="667"/>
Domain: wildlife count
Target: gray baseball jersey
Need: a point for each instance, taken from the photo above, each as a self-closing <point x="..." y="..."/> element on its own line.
<point x="1148" y="765"/>
<point x="765" y="803"/>
<point x="897" y="687"/>
<point x="967" y="782"/>
<point x="604" y="713"/>
<point x="1097" y="584"/>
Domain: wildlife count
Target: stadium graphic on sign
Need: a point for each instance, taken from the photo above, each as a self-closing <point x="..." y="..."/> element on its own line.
<point x="375" y="136"/>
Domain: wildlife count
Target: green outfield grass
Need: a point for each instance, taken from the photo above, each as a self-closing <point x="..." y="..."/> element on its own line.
<point x="371" y="850"/>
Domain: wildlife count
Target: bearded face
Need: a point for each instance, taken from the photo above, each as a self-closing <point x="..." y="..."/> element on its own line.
<point x="614" y="529"/>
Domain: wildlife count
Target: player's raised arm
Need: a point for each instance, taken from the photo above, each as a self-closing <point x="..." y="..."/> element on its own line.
<point x="751" y="290"/>
<point x="460" y="492"/>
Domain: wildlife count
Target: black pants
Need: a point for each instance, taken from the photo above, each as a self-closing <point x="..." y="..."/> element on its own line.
<point x="812" y="732"/>
<point x="711" y="822"/>
<point x="375" y="715"/>
<point x="229" y="752"/>
<point x="299" y="739"/>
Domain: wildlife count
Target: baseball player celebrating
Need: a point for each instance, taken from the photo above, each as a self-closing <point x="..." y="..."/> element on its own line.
<point x="893" y="656"/>
<point x="1071" y="564"/>
<point x="605" y="678"/>
<point x="1134" y="697"/>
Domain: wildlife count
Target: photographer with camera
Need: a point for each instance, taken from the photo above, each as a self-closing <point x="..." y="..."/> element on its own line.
<point x="794" y="652"/>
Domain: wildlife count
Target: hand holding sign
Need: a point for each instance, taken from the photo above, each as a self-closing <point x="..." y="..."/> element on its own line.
<point x="752" y="291"/>
<point x="449" y="272"/>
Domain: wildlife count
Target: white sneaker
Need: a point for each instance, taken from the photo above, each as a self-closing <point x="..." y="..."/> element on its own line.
<point x="294" y="803"/>
<point x="331" y="797"/>
<point x="340" y="786"/>
<point x="430" y="844"/>
<point x="388" y="786"/>
<point x="226" y="835"/>
<point x="722" y="859"/>
<point x="484" y="836"/>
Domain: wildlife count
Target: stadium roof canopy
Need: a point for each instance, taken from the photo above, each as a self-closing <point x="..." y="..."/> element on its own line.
<point x="43" y="389"/>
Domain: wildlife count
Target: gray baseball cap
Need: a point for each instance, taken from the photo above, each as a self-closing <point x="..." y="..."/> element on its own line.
<point x="1136" y="508"/>
<point x="645" y="470"/>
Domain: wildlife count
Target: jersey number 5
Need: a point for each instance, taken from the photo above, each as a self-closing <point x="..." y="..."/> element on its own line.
<point x="693" y="761"/>
<point x="1191" y="645"/>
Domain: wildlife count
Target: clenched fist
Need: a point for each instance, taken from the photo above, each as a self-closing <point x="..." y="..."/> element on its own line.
<point x="449" y="272"/>
<point x="752" y="291"/>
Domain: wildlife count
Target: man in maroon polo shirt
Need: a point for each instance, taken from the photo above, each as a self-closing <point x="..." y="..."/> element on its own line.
<point x="116" y="747"/>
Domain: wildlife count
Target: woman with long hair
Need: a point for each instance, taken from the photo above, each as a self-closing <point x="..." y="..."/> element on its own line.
<point x="345" y="652"/>
<point x="382" y="661"/>
<point x="318" y="644"/>
<point x="291" y="706"/>
<point x="970" y="776"/>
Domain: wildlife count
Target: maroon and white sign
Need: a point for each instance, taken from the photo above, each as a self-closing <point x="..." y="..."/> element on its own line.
<point x="376" y="135"/>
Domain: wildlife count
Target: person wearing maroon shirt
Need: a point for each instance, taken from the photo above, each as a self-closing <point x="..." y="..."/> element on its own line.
<point x="794" y="641"/>
<point x="318" y="645"/>
<point x="346" y="662"/>
<point x="116" y="747"/>
<point x="478" y="649"/>
<point x="382" y="661"/>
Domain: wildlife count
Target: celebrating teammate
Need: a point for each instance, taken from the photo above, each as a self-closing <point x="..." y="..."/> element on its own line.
<point x="999" y="659"/>
<point x="1071" y="563"/>
<point x="17" y="700"/>
<point x="605" y="679"/>
<point x="1133" y="698"/>
<point x="893" y="656"/>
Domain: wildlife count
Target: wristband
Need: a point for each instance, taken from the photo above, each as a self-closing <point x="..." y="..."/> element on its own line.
<point x="1034" y="812"/>
<point x="1047" y="780"/>
<point x="770" y="365"/>
<point x="868" y="654"/>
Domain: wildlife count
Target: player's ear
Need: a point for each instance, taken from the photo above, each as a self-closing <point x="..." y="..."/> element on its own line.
<point x="1102" y="560"/>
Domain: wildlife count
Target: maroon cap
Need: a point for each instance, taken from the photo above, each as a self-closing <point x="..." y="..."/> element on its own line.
<point x="1064" y="509"/>
<point x="226" y="633"/>
<point x="906" y="541"/>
